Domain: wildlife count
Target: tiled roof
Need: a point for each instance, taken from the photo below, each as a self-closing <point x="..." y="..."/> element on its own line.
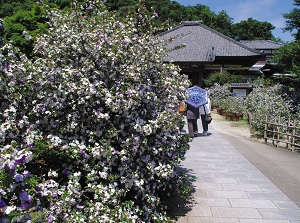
<point x="196" y="42"/>
<point x="261" y="44"/>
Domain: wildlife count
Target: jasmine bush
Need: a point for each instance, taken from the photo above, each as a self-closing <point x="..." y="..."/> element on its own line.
<point x="267" y="99"/>
<point x="219" y="94"/>
<point x="89" y="127"/>
<point x="234" y="104"/>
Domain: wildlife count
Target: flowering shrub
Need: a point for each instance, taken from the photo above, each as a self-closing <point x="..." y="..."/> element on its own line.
<point x="89" y="128"/>
<point x="219" y="94"/>
<point x="234" y="104"/>
<point x="266" y="99"/>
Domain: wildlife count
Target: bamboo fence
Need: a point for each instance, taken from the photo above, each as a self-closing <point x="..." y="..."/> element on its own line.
<point x="285" y="134"/>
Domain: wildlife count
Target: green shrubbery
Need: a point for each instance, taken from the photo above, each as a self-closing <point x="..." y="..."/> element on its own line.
<point x="223" y="78"/>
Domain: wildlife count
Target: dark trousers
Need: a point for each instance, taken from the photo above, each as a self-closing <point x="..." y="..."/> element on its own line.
<point x="204" y="123"/>
<point x="192" y="126"/>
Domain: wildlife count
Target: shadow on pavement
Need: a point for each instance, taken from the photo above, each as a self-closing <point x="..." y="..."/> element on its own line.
<point x="180" y="205"/>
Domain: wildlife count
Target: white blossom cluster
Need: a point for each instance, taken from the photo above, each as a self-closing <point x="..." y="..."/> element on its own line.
<point x="267" y="100"/>
<point x="100" y="98"/>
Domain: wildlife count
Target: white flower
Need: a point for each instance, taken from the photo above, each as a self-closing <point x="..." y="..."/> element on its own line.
<point x="138" y="128"/>
<point x="147" y="129"/>
<point x="9" y="209"/>
<point x="52" y="173"/>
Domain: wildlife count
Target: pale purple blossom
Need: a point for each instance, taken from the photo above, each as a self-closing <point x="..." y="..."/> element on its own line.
<point x="24" y="196"/>
<point x="18" y="178"/>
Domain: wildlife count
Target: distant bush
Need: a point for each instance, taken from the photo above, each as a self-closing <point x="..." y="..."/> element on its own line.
<point x="219" y="94"/>
<point x="267" y="99"/>
<point x="222" y="78"/>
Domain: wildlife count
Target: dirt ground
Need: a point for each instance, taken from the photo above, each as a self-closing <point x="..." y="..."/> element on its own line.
<point x="231" y="128"/>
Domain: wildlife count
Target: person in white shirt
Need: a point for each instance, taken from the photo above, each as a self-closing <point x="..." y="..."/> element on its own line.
<point x="205" y="109"/>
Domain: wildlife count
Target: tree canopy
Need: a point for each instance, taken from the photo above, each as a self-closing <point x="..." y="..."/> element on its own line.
<point x="28" y="15"/>
<point x="252" y="29"/>
<point x="293" y="20"/>
<point x="288" y="56"/>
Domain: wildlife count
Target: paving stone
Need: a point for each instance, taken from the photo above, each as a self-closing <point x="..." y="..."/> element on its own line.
<point x="268" y="195"/>
<point x="260" y="182"/>
<point x="226" y="194"/>
<point x="263" y="221"/>
<point x="211" y="220"/>
<point x="205" y="174"/>
<point x="250" y="203"/>
<point x="200" y="211"/>
<point x="257" y="175"/>
<point x="241" y="187"/>
<point x="215" y="170"/>
<point x="207" y="186"/>
<point x="280" y="214"/>
<point x="233" y="175"/>
<point x="199" y="194"/>
<point x="223" y="212"/>
<point x="213" y="202"/>
<point x="182" y="219"/>
<point x="286" y="205"/>
<point x="218" y="180"/>
<point x="270" y="187"/>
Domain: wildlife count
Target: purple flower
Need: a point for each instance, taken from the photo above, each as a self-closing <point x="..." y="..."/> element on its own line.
<point x="21" y="160"/>
<point x="37" y="188"/>
<point x="25" y="205"/>
<point x="2" y="203"/>
<point x="50" y="219"/>
<point x="27" y="174"/>
<point x="66" y="171"/>
<point x="18" y="178"/>
<point x="83" y="154"/>
<point x="12" y="171"/>
<point x="21" y="81"/>
<point x="25" y="197"/>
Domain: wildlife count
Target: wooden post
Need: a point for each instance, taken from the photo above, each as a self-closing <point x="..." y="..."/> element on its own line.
<point x="266" y="129"/>
<point x="273" y="132"/>
<point x="293" y="136"/>
<point x="278" y="130"/>
<point x="288" y="134"/>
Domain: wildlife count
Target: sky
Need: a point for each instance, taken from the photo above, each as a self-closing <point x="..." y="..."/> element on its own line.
<point x="262" y="10"/>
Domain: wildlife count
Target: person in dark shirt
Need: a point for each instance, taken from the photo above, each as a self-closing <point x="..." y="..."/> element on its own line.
<point x="192" y="114"/>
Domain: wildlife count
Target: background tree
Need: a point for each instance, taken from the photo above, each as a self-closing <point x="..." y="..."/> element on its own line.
<point x="19" y="16"/>
<point x="33" y="22"/>
<point x="293" y="20"/>
<point x="223" y="78"/>
<point x="288" y="56"/>
<point x="223" y="23"/>
<point x="252" y="29"/>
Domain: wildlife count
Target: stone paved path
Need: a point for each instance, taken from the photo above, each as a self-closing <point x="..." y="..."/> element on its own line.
<point x="229" y="189"/>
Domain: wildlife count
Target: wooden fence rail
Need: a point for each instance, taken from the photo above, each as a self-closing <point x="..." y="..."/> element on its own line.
<point x="286" y="134"/>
